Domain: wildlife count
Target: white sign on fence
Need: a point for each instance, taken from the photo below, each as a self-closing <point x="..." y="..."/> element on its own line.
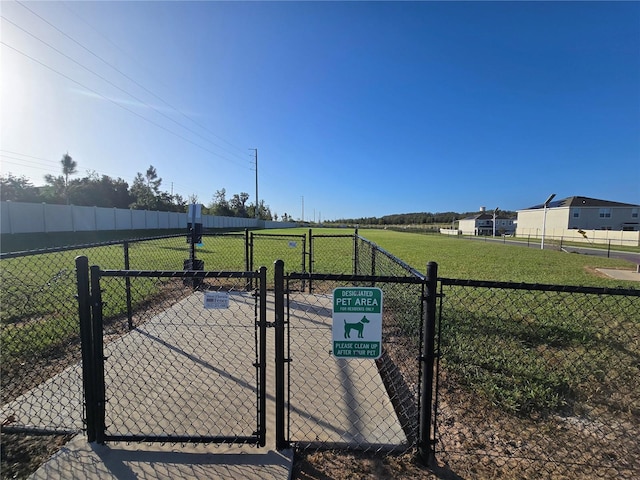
<point x="216" y="299"/>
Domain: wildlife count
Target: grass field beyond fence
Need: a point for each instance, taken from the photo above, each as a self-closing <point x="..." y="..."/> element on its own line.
<point x="529" y="355"/>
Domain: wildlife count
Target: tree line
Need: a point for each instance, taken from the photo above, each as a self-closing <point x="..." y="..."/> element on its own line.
<point x="422" y="218"/>
<point x="145" y="193"/>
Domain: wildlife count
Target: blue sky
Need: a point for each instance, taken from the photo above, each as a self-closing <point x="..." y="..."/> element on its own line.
<point x="359" y="108"/>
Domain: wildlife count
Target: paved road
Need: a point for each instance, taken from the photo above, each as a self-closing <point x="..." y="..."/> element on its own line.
<point x="600" y="252"/>
<point x="628" y="256"/>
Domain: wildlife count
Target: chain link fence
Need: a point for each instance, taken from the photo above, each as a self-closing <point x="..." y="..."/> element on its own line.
<point x="538" y="381"/>
<point x="193" y="368"/>
<point x="39" y="318"/>
<point x="532" y="381"/>
<point x="40" y="336"/>
<point x="352" y="403"/>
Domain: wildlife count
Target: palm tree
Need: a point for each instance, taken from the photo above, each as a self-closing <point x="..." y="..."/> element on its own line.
<point x="69" y="167"/>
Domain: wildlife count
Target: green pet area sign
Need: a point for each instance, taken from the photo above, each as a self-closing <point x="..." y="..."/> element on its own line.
<point x="357" y="322"/>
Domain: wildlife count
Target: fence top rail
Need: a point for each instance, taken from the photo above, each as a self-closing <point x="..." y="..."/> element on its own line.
<point x="353" y="278"/>
<point x="278" y="235"/>
<point x="228" y="234"/>
<point x="177" y="274"/>
<point x="539" y="287"/>
<point x="395" y="259"/>
<point x="66" y="248"/>
<point x="333" y="236"/>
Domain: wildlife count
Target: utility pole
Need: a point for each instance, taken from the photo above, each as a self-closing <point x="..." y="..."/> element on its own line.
<point x="545" y="205"/>
<point x="256" y="161"/>
<point x="303" y="208"/>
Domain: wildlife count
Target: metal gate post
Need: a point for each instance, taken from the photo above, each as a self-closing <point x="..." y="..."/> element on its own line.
<point x="262" y="347"/>
<point x="98" y="353"/>
<point x="247" y="262"/>
<point x="127" y="285"/>
<point x="86" y="340"/>
<point x="355" y="252"/>
<point x="281" y="441"/>
<point x="426" y="441"/>
<point x="373" y="264"/>
<point x="251" y="246"/>
<point x="311" y="260"/>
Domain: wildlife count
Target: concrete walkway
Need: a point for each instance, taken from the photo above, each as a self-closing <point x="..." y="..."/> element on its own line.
<point x="190" y="370"/>
<point x="620" y="274"/>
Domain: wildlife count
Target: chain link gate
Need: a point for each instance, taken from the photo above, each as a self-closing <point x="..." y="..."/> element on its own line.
<point x="325" y="402"/>
<point x="193" y="368"/>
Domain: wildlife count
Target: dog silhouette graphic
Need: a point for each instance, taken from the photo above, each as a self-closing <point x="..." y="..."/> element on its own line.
<point x="359" y="326"/>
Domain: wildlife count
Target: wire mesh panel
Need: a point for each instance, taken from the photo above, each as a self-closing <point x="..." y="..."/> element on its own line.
<point x="539" y="383"/>
<point x="352" y="403"/>
<point x="266" y="249"/>
<point x="41" y="378"/>
<point x="191" y="369"/>
<point x="224" y="252"/>
<point x="333" y="254"/>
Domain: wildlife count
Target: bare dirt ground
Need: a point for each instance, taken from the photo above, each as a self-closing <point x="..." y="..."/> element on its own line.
<point x="361" y="466"/>
<point x="22" y="455"/>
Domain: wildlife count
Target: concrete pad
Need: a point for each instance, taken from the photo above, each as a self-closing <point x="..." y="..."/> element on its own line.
<point x="57" y="404"/>
<point x="122" y="461"/>
<point x="334" y="400"/>
<point x="189" y="371"/>
<point x="620" y="274"/>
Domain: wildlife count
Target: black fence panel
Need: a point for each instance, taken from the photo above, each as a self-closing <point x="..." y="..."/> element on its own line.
<point x="532" y="381"/>
<point x="193" y="369"/>
<point x="266" y="248"/>
<point x="353" y="403"/>
<point x="333" y="254"/>
<point x="538" y="381"/>
<point x="40" y="351"/>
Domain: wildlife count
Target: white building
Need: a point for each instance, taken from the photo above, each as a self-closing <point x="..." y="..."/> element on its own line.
<point x="582" y="218"/>
<point x="482" y="224"/>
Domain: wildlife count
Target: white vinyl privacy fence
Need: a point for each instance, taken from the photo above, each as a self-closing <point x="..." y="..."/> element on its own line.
<point x="19" y="217"/>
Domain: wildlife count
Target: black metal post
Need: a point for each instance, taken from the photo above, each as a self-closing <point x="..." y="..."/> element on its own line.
<point x="311" y="260"/>
<point x="281" y="441"/>
<point x="251" y="248"/>
<point x="98" y="353"/>
<point x="303" y="287"/>
<point x="127" y="284"/>
<point x="192" y="247"/>
<point x="262" y="347"/>
<point x="355" y="252"/>
<point x="609" y="249"/>
<point x="247" y="264"/>
<point x="373" y="264"/>
<point x="426" y="440"/>
<point x="84" y="313"/>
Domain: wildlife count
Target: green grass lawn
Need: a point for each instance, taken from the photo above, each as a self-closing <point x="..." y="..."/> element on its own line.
<point x="39" y="312"/>
<point x="458" y="258"/>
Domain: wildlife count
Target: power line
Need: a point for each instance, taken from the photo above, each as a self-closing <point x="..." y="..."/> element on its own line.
<point x="148" y="71"/>
<point x="116" y="103"/>
<point x="39" y="166"/>
<point x="111" y="83"/>
<point x="132" y="80"/>
<point x="50" y="164"/>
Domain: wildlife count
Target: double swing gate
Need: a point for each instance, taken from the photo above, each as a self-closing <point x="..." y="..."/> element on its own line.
<point x="191" y="363"/>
